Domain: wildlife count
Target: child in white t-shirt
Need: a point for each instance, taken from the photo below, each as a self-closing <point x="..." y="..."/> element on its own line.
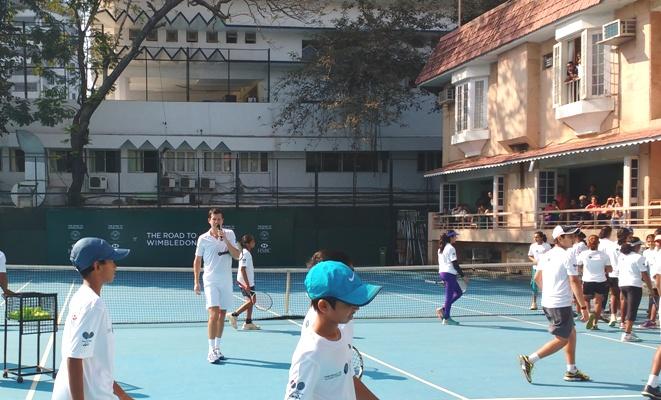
<point x="245" y="277"/>
<point x="537" y="248"/>
<point x="88" y="343"/>
<point x="321" y="364"/>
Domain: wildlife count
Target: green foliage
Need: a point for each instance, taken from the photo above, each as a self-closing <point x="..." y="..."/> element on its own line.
<point x="357" y="77"/>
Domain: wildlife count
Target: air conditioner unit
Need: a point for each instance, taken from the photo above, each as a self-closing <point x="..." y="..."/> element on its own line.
<point x="187" y="183"/>
<point x="168" y="183"/>
<point x="446" y="95"/>
<point x="207" y="183"/>
<point x="619" y="31"/>
<point x="97" y="182"/>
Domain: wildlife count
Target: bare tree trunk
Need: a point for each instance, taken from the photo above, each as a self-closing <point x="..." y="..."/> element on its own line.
<point x="79" y="139"/>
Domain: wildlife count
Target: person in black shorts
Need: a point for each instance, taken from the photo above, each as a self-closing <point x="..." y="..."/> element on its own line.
<point x="595" y="265"/>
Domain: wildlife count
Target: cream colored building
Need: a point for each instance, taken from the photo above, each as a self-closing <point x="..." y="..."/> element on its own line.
<point x="542" y="98"/>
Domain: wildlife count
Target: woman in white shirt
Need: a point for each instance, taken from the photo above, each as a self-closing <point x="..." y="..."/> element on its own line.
<point x="448" y="268"/>
<point x="595" y="265"/>
<point x="632" y="274"/>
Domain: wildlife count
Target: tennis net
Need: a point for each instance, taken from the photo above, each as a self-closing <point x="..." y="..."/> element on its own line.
<point x="165" y="295"/>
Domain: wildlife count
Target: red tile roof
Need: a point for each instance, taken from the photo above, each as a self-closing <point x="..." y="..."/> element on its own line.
<point x="573" y="146"/>
<point x="495" y="28"/>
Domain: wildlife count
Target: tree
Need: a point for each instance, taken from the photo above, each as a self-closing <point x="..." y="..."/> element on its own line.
<point x="471" y="9"/>
<point x="356" y="77"/>
<point x="98" y="61"/>
<point x="44" y="48"/>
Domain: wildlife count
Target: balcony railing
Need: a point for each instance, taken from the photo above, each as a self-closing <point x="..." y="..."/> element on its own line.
<point x="636" y="216"/>
<point x="572" y="91"/>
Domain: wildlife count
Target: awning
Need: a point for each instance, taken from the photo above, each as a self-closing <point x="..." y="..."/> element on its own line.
<point x="565" y="149"/>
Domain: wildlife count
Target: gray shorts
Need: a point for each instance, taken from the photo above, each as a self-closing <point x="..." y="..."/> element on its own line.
<point x="561" y="321"/>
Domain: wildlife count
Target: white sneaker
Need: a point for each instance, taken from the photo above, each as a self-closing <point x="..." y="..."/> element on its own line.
<point x="218" y="354"/>
<point x="251" y="327"/>
<point x="630" y="337"/>
<point x="212" y="358"/>
<point x="232" y="320"/>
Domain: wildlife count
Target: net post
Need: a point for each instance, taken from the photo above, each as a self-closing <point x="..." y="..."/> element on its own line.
<point x="287" y="291"/>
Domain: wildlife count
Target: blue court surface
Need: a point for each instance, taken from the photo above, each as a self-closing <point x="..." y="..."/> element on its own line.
<point x="404" y="359"/>
<point x="408" y="356"/>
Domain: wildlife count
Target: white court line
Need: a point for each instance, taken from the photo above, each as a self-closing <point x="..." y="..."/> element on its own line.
<point x="44" y="358"/>
<point x="622" y="396"/>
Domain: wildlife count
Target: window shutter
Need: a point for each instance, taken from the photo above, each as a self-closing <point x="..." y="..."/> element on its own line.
<point x="608" y="59"/>
<point x="582" y="70"/>
<point x="557" y="75"/>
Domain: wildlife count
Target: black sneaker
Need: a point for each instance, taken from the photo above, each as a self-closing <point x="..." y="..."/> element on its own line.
<point x="526" y="367"/>
<point x="651" y="392"/>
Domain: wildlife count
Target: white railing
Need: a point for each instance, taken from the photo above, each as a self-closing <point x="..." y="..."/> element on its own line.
<point x="572" y="90"/>
<point x="637" y="216"/>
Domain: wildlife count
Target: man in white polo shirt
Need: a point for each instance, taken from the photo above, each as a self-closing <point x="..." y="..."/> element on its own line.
<point x="557" y="277"/>
<point x="216" y="247"/>
<point x="4" y="282"/>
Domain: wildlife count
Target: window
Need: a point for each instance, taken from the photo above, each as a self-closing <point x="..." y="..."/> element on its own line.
<point x="347" y="162"/>
<point x="251" y="38"/>
<point x="191" y="36"/>
<point x="546" y="187"/>
<point x="581" y="68"/>
<point x="634" y="179"/>
<point x="59" y="160"/>
<point x="133" y="33"/>
<point x="212" y="37"/>
<point x="171" y="35"/>
<point x="428" y="160"/>
<point x="20" y="86"/>
<point x="309" y="50"/>
<point x="217" y="161"/>
<point x="448" y="197"/>
<point x="231" y="37"/>
<point x="471" y="105"/>
<point x="104" y="161"/>
<point x="16" y="160"/>
<point x="143" y="161"/>
<point x="180" y="161"/>
<point x="253" y="162"/>
<point x="152" y="36"/>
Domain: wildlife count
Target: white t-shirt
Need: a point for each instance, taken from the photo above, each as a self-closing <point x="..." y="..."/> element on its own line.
<point x="556" y="267"/>
<point x="655" y="267"/>
<point x="612" y="250"/>
<point x="649" y="255"/>
<point x="217" y="266"/>
<point x="321" y="369"/>
<point x="3" y="263"/>
<point x="88" y="335"/>
<point x="631" y="265"/>
<point x="594" y="264"/>
<point x="536" y="249"/>
<point x="246" y="262"/>
<point x="446" y="258"/>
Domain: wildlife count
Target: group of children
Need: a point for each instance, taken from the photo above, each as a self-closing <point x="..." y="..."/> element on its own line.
<point x="618" y="269"/>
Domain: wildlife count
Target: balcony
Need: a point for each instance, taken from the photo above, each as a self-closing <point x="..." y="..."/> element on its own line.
<point x="471" y="142"/>
<point x="583" y="114"/>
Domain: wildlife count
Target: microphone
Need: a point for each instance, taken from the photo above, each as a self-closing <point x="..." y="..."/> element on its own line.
<point x="220" y="232"/>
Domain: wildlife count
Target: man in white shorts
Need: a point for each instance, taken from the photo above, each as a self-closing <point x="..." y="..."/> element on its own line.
<point x="557" y="277"/>
<point x="4" y="282"/>
<point x="216" y="247"/>
<point x="321" y="364"/>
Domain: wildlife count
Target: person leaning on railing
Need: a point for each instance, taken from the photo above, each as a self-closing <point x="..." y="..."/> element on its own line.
<point x="4" y="281"/>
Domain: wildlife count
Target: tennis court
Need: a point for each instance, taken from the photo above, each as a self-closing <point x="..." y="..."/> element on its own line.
<point x="161" y="340"/>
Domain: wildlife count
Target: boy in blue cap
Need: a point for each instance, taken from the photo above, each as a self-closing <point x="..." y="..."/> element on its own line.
<point x="88" y="344"/>
<point x="321" y="364"/>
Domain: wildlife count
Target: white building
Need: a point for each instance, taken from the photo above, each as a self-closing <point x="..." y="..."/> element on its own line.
<point x="191" y="118"/>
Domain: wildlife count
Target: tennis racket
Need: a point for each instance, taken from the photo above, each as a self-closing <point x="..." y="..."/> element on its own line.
<point x="263" y="300"/>
<point x="463" y="284"/>
<point x="357" y="362"/>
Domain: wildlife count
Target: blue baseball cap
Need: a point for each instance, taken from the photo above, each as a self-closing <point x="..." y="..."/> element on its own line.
<point x="336" y="279"/>
<point x="451" y="234"/>
<point x="90" y="249"/>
